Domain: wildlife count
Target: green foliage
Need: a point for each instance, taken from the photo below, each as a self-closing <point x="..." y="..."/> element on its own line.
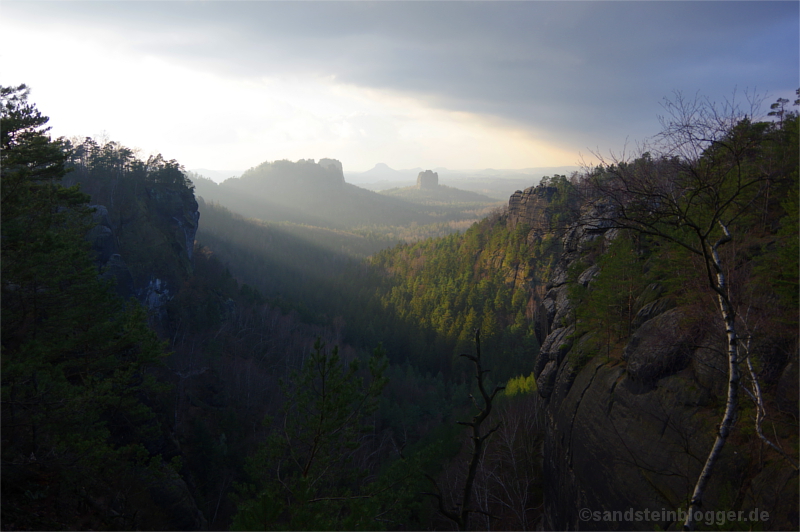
<point x="786" y="277"/>
<point x="415" y="403"/>
<point x="110" y="162"/>
<point x="563" y="204"/>
<point x="777" y="267"/>
<point x="149" y="205"/>
<point x="608" y="306"/>
<point x="307" y="475"/>
<point x="450" y="286"/>
<point x="75" y="358"/>
<point x="520" y="385"/>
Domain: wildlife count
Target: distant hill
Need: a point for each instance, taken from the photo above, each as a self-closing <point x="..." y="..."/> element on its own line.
<point x="497" y="188"/>
<point x="497" y="184"/>
<point x="439" y="195"/>
<point x="311" y="193"/>
<point x="382" y="172"/>
<point x="315" y="194"/>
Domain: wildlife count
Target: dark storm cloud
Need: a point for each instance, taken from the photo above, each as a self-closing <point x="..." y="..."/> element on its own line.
<point x="584" y="70"/>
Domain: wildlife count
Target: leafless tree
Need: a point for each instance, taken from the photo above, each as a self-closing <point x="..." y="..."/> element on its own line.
<point x="689" y="186"/>
<point x="510" y="470"/>
<point x="757" y="397"/>
<point x="460" y="515"/>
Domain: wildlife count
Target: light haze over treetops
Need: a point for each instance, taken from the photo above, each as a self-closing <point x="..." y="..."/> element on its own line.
<point x="223" y="85"/>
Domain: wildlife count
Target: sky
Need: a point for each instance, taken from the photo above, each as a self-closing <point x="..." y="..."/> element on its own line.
<point x="228" y="85"/>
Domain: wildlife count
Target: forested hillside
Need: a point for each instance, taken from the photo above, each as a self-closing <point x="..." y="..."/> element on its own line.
<point x="422" y="300"/>
<point x="82" y="445"/>
<point x="315" y="194"/>
<point x="672" y="357"/>
<point x="440" y="194"/>
<point x="217" y="376"/>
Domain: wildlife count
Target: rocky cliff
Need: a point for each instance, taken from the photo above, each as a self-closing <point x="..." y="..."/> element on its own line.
<point x="334" y="167"/>
<point x="530" y="206"/>
<point x="427" y="180"/>
<point x="632" y="431"/>
<point x="288" y="175"/>
<point x="145" y="241"/>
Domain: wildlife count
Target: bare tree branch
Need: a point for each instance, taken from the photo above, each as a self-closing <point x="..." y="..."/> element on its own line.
<point x="461" y="518"/>
<point x="690" y="193"/>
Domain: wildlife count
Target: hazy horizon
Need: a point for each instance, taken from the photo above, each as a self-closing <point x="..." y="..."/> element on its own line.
<point x="411" y="84"/>
<point x="408" y="174"/>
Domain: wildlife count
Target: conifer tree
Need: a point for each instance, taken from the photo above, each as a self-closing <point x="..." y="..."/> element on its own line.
<point x="305" y="475"/>
<point x="74" y="357"/>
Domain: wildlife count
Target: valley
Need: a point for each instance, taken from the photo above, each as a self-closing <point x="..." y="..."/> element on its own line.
<point x="287" y="350"/>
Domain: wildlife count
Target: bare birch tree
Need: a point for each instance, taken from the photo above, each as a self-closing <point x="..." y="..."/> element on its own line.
<point x="690" y="186"/>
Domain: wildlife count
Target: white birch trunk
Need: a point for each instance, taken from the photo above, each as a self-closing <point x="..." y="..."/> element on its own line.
<point x="729" y="317"/>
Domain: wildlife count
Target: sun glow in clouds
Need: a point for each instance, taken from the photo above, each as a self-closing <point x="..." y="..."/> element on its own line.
<point x="207" y="121"/>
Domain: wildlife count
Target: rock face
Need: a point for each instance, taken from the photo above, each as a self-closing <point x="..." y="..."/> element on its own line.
<point x="145" y="243"/>
<point x="660" y="347"/>
<point x="282" y="176"/>
<point x="427" y="180"/>
<point x="529" y="206"/>
<point x="335" y="168"/>
<point x="632" y="433"/>
<point x="107" y="257"/>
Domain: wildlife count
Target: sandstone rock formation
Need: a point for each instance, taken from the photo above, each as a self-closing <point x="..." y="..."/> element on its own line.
<point x="145" y="243"/>
<point x="334" y="167"/>
<point x="427" y="180"/>
<point x="529" y="206"/>
<point x="633" y="432"/>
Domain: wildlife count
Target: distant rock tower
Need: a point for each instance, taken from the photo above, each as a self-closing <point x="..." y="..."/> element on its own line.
<point x="427" y="180"/>
<point x="335" y="168"/>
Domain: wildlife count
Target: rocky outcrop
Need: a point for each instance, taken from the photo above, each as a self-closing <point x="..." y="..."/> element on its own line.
<point x="172" y="495"/>
<point x="427" y="180"/>
<point x="176" y="209"/>
<point x="529" y="207"/>
<point x="651" y="310"/>
<point x="550" y="356"/>
<point x="144" y="242"/>
<point x="107" y="257"/>
<point x="660" y="347"/>
<point x="334" y="167"/>
<point x="287" y="176"/>
<point x="115" y="270"/>
<point x="174" y="220"/>
<point x="631" y="432"/>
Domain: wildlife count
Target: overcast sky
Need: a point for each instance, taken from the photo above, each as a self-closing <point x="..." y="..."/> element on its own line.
<point x="228" y="85"/>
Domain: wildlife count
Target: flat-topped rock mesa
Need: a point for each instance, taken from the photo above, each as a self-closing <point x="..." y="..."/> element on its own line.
<point x="308" y="192"/>
<point x="427" y="180"/>
<point x="303" y="174"/>
<point x="530" y="206"/>
<point x="334" y="167"/>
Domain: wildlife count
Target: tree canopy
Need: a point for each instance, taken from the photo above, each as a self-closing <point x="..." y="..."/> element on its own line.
<point x="75" y="358"/>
